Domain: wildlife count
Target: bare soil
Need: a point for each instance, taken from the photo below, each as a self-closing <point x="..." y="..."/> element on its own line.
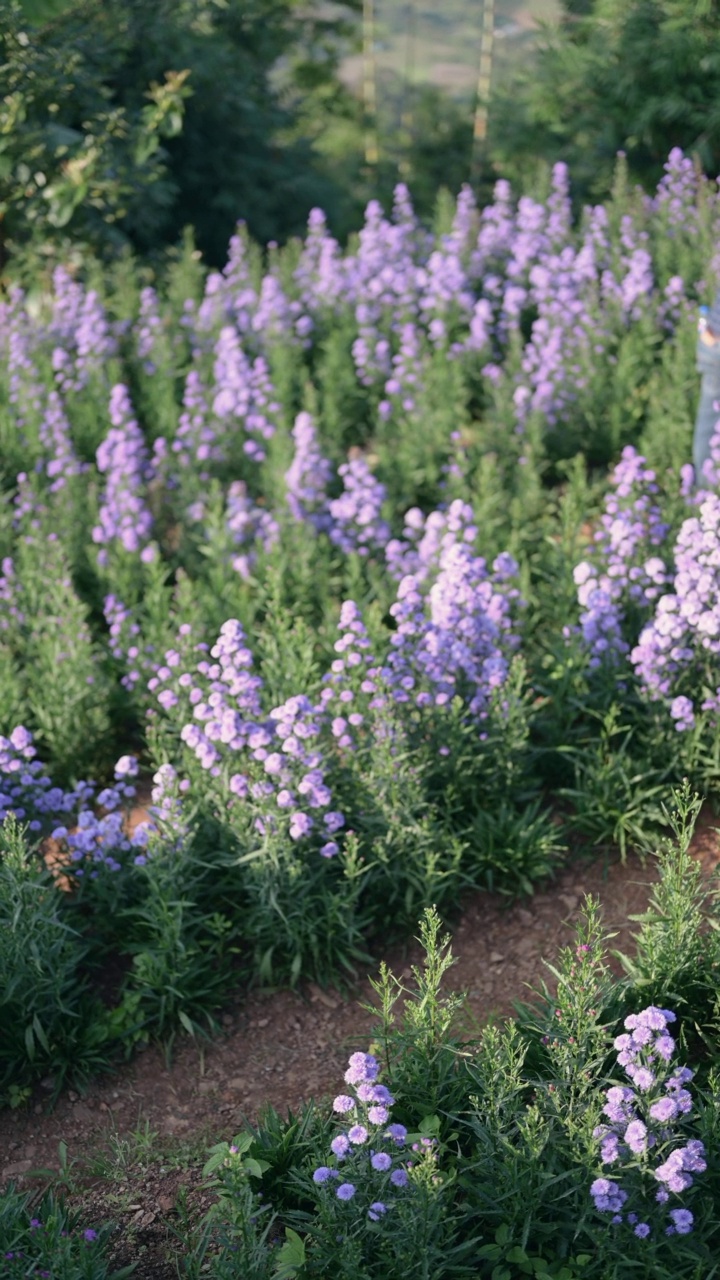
<point x="138" y="1137"/>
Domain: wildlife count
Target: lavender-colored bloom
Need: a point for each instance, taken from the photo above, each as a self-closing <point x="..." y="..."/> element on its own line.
<point x="636" y="1137"/>
<point x="343" y="1103"/>
<point x="357" y="524"/>
<point x="361" y="1067"/>
<point x="308" y="477"/>
<point x="122" y="457"/>
<point x="397" y="1132"/>
<point x="340" y="1145"/>
<point x="643" y="1077"/>
<point x="609" y="1149"/>
<point x="322" y="1174"/>
<point x="682" y="1220"/>
<point x="665" y="1046"/>
<point x="345" y="1191"/>
<point x="642" y="1230"/>
<point x="126" y="767"/>
<point x="381" y="1161"/>
<point x="399" y="1178"/>
<point x="378" y="1115"/>
<point x="664" y="1110"/>
<point x="608" y="1196"/>
<point x="376" y="1210"/>
<point x="358" y="1134"/>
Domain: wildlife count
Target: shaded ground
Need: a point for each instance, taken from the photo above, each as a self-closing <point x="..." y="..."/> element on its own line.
<point x="138" y="1138"/>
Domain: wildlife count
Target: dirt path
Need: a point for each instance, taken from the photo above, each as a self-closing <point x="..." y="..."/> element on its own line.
<point x="143" y="1131"/>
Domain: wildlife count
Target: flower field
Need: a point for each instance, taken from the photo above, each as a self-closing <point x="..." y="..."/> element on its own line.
<point x="387" y="565"/>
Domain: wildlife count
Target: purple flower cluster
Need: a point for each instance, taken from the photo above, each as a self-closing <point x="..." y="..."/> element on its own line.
<point x="61" y="461"/>
<point x="243" y="395"/>
<point x="623" y="571"/>
<point x="683" y="637"/>
<point x="357" y="523"/>
<point x="308" y="477"/>
<point x="102" y="838"/>
<point x="319" y="274"/>
<point x="641" y="1127"/>
<point x="151" y="337"/>
<point x="80" y="333"/>
<point x="252" y="528"/>
<point x="196" y="438"/>
<point x="167" y="816"/>
<point x="273" y="762"/>
<point x="122" y="458"/>
<point x="428" y="538"/>
<point x="361" y="1145"/>
<point x="457" y="639"/>
<point x="26" y="790"/>
<point x="126" y="643"/>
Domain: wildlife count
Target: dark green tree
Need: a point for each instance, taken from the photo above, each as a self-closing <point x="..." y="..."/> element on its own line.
<point x="639" y="76"/>
<point x="123" y="121"/>
<point x="74" y="160"/>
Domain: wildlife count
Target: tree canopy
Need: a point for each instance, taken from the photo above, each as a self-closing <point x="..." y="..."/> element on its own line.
<point x="124" y="121"/>
<point x="639" y="76"/>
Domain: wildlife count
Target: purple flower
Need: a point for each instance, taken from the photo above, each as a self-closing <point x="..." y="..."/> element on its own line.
<point x="322" y="1174"/>
<point x="683" y="1221"/>
<point x="90" y="1235"/>
<point x="664" y="1110"/>
<point x="642" y="1230"/>
<point x="378" y="1115"/>
<point x="397" y="1132"/>
<point x="340" y="1146"/>
<point x="343" y="1103"/>
<point x="381" y="1161"/>
<point x="399" y="1178"/>
<point x="361" y="1067"/>
<point x="345" y="1191"/>
<point x="376" y="1210"/>
<point x="358" y="1134"/>
<point x="636" y="1137"/>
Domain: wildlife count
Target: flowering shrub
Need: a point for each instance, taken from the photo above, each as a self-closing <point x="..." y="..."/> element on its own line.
<point x="360" y="1147"/>
<point x="324" y="541"/>
<point x="641" y="1135"/>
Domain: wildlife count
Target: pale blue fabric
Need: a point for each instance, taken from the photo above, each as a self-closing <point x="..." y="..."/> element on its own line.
<point x="708" y="412"/>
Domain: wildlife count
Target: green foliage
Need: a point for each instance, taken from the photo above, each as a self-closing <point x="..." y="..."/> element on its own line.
<point x="677" y="948"/>
<point x="49" y="1021"/>
<point x="75" y="159"/>
<point x="500" y="1149"/>
<point x="38" y="1235"/>
<point x="635" y="76"/>
<point x="113" y="129"/>
<point x="52" y="665"/>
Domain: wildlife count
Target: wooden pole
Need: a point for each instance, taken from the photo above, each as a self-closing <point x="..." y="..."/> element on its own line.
<point x="370" y="84"/>
<point x="407" y="121"/>
<point x="482" y="93"/>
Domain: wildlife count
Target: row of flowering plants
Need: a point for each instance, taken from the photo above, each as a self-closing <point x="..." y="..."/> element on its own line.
<point x="576" y="1141"/>
<point x="324" y="543"/>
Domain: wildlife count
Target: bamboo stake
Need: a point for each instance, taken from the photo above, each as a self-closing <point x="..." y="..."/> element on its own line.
<point x="482" y="93"/>
<point x="370" y="84"/>
<point x="407" y="122"/>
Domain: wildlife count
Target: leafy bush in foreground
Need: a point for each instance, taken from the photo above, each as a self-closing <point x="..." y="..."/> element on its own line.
<point x="570" y="1144"/>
